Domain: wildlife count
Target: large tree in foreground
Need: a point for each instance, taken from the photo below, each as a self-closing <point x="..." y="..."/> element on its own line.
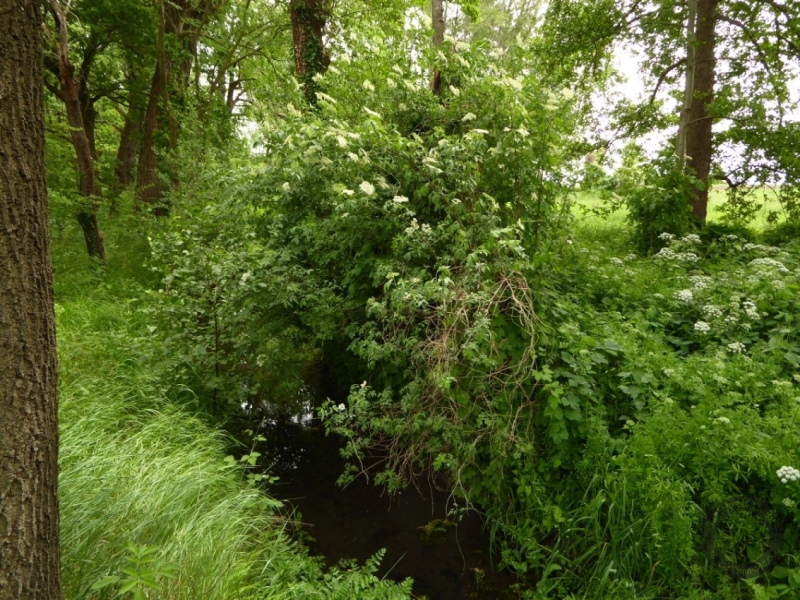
<point x="29" y="545"/>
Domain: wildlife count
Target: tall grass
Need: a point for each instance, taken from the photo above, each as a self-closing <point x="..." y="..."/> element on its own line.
<point x="137" y="468"/>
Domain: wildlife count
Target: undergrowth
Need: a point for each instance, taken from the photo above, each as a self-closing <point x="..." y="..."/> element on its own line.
<point x="138" y="469"/>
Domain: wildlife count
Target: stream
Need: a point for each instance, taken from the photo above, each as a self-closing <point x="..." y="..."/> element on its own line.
<point x="448" y="560"/>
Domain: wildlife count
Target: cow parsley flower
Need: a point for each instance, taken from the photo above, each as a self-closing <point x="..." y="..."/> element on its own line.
<point x="769" y="263"/>
<point x="736" y="347"/>
<point x="711" y="311"/>
<point x="751" y="310"/>
<point x="691" y="238"/>
<point x="787" y="474"/>
<point x="616" y="261"/>
<point x="667" y="237"/>
<point x="665" y="254"/>
<point x="684" y="296"/>
<point x="700" y="282"/>
<point x="400" y="199"/>
<point x="702" y="327"/>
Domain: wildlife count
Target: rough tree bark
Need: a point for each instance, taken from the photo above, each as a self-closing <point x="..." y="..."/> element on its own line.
<point x="29" y="543"/>
<point x="71" y="95"/>
<point x="699" y="139"/>
<point x="310" y="55"/>
<point x="437" y="15"/>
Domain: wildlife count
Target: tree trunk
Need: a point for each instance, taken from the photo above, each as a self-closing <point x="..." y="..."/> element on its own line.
<point x="129" y="143"/>
<point x="688" y="87"/>
<point x="70" y="94"/>
<point x="310" y="54"/>
<point x="29" y="542"/>
<point x="699" y="137"/>
<point x="437" y="15"/>
<point x="149" y="185"/>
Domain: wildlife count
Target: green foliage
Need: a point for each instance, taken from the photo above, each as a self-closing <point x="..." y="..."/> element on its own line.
<point x="147" y="494"/>
<point x="140" y="577"/>
<point x="659" y="204"/>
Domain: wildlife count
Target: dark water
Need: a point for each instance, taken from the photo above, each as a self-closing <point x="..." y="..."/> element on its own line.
<point x="448" y="557"/>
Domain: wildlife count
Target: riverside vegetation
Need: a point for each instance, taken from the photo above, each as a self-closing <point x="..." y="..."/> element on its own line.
<point x="612" y="387"/>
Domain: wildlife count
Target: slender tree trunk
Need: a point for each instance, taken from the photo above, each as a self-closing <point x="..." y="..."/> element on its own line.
<point x="688" y="87"/>
<point x="29" y="542"/>
<point x="437" y="15"/>
<point x="310" y="55"/>
<point x="70" y="93"/>
<point x="699" y="138"/>
<point x="149" y="184"/>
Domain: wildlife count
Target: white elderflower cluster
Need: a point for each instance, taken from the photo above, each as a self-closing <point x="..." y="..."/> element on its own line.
<point x="617" y="261"/>
<point x="702" y="327"/>
<point x="751" y="310"/>
<point x="667" y="237"/>
<point x="769" y="263"/>
<point x="723" y="420"/>
<point x="630" y="257"/>
<point x="736" y="347"/>
<point x="787" y="474"/>
<point x="732" y="319"/>
<point x="788" y="502"/>
<point x="684" y="296"/>
<point x="730" y="237"/>
<point x="711" y="311"/>
<point x="778" y="284"/>
<point x="700" y="282"/>
<point x="691" y="238"/>
<point x="668" y="254"/>
<point x="367" y="188"/>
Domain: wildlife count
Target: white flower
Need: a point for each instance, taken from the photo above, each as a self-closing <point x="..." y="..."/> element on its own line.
<point x="245" y="277"/>
<point x="668" y="372"/>
<point x="688" y="257"/>
<point x="751" y="310"/>
<point x="658" y="296"/>
<point x="469" y="117"/>
<point x="788" y="502"/>
<point x="665" y="254"/>
<point x="769" y="263"/>
<point x="400" y="199"/>
<point x="347" y="192"/>
<point x="341" y="407"/>
<point x="684" y="296"/>
<point x="700" y="282"/>
<point x="723" y="420"/>
<point x="391" y="83"/>
<point x="736" y="347"/>
<point x="630" y="257"/>
<point x="787" y="474"/>
<point x="367" y="188"/>
<point x="702" y="327"/>
<point x="711" y="311"/>
<point x="367" y="85"/>
<point x="692" y="238"/>
<point x="454" y="90"/>
<point x="616" y="261"/>
<point x="731" y="319"/>
<point x="286" y="187"/>
<point x="667" y="237"/>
